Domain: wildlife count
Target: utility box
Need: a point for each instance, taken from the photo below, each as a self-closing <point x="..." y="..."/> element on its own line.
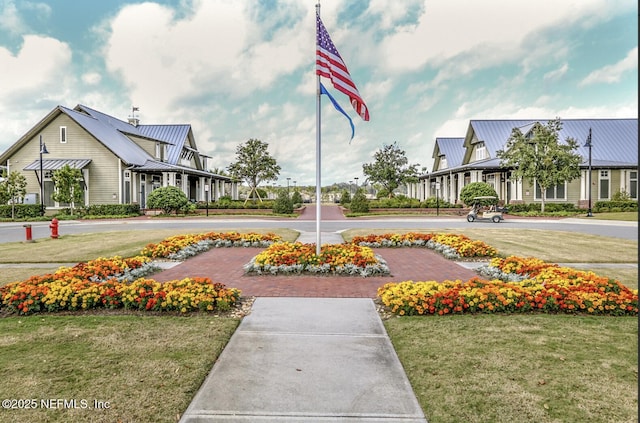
<point x="32" y="198"/>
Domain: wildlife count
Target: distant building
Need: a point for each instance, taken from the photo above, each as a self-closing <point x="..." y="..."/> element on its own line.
<point x="121" y="162"/>
<point x="472" y="158"/>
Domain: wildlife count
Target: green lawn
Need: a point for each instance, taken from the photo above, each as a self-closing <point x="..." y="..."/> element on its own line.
<point x="520" y="368"/>
<point x="483" y="368"/>
<point x="147" y="368"/>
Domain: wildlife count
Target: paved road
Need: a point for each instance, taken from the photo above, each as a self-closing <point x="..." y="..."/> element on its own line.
<point x="331" y="222"/>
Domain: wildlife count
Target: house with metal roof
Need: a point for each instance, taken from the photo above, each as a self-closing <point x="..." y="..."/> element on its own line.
<point x="121" y="162"/>
<point x="612" y="160"/>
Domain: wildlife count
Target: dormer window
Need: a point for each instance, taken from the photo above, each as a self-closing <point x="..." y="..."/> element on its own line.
<point x="443" y="162"/>
<point x="481" y="151"/>
<point x="63" y="135"/>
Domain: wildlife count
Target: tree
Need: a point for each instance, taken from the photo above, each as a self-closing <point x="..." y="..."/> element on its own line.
<point x="345" y="197"/>
<point x="15" y="188"/>
<point x="359" y="203"/>
<point x="296" y="198"/>
<point x="67" y="181"/>
<point x="4" y="194"/>
<point x="254" y="165"/>
<point x="168" y="199"/>
<point x="540" y="158"/>
<point x="390" y="168"/>
<point x="283" y="204"/>
<point x="477" y="189"/>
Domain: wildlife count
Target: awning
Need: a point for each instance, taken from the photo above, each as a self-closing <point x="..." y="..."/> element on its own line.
<point x="55" y="164"/>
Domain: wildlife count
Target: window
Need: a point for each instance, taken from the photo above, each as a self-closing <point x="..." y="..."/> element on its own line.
<point x="63" y="134"/>
<point x="604" y="185"/>
<point x="158" y="151"/>
<point x="557" y="192"/>
<point x="633" y="185"/>
<point x="443" y="162"/>
<point x="481" y="152"/>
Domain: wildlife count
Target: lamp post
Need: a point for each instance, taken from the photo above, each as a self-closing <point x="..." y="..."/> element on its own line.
<point x="356" y="179"/>
<point x="589" y="145"/>
<point x="43" y="150"/>
<point x="288" y="179"/>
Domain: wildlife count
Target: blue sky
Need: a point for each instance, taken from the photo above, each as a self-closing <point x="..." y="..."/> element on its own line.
<point x="240" y="69"/>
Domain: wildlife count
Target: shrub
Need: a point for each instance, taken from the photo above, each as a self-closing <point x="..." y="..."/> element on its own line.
<point x="22" y="211"/>
<point x="433" y="202"/>
<point x="613" y="206"/>
<point x="109" y="209"/>
<point x="345" y="197"/>
<point x="476" y="189"/>
<point x="283" y="204"/>
<point x="296" y="198"/>
<point x="168" y="199"/>
<point x="359" y="203"/>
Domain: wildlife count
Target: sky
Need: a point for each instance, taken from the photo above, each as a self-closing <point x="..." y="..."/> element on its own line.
<point x="242" y="69"/>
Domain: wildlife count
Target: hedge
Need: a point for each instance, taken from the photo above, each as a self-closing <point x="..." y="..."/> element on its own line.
<point x="615" y="206"/>
<point x="22" y="211"/>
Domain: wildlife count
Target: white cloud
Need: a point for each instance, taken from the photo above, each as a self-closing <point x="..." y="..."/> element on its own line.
<point x="10" y="19"/>
<point x="91" y="78"/>
<point x="498" y="28"/>
<point x="613" y="73"/>
<point x="556" y="73"/>
<point x="37" y="69"/>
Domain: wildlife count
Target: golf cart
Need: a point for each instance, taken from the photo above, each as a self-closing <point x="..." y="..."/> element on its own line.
<point x="485" y="208"/>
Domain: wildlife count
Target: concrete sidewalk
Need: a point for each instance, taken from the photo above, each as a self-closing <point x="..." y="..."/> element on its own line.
<point x="307" y="360"/>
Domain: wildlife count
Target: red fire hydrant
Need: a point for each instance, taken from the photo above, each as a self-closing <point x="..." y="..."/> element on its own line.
<point x="54" y="228"/>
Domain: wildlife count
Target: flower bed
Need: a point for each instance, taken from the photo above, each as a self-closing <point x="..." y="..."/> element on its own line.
<point x="182" y="246"/>
<point x="337" y="259"/>
<point x="49" y="293"/>
<point x="527" y="285"/>
<point x="113" y="283"/>
<point x="452" y="246"/>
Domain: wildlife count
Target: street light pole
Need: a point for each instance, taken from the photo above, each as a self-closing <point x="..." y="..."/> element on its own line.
<point x="356" y="179"/>
<point x="43" y="150"/>
<point x="288" y="179"/>
<point x="589" y="145"/>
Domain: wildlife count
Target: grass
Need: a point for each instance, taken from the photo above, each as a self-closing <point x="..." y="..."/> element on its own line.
<point x="516" y="368"/>
<point x="147" y="368"/>
<point x="520" y="368"/>
<point x="84" y="247"/>
<point x="625" y="216"/>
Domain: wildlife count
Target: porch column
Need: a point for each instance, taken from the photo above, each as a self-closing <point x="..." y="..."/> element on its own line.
<point x="85" y="176"/>
<point x="583" y="184"/>
<point x="202" y="195"/>
<point x="460" y="185"/>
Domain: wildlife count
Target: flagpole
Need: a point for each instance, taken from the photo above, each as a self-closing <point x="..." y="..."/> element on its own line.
<point x="318" y="151"/>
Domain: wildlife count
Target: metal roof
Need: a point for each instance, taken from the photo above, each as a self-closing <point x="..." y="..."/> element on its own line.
<point x="105" y="129"/>
<point x="156" y="166"/>
<point x="452" y="149"/>
<point x="614" y="140"/>
<point x="55" y="164"/>
<point x="175" y="135"/>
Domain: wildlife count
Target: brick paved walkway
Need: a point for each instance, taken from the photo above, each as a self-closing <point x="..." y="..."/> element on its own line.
<point x="225" y="265"/>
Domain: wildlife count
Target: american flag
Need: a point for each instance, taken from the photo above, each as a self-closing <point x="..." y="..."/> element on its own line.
<point x="330" y="65"/>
